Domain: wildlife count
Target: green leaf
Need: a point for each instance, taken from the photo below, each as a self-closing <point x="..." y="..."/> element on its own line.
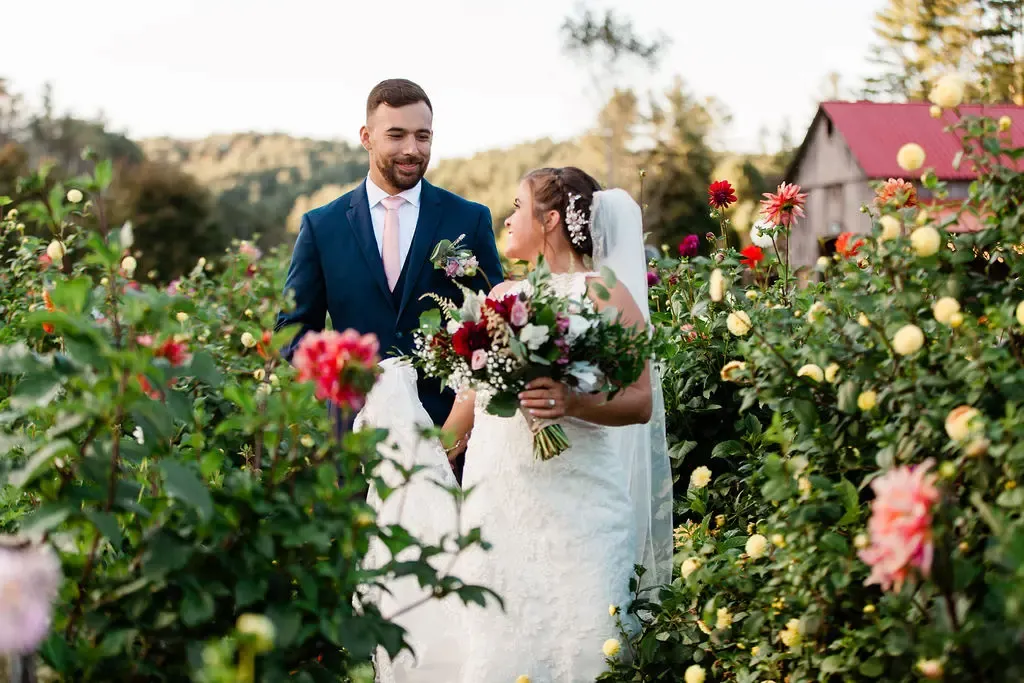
<point x="430" y="321"/>
<point x="503" y="405"/>
<point x="851" y="502"/>
<point x="36" y="391"/>
<point x="601" y="291"/>
<point x="286" y="624"/>
<point x="39" y="461"/>
<point x="107" y="524"/>
<point x="872" y="668"/>
<point x="72" y="295"/>
<point x="1014" y="498"/>
<point x="609" y="276"/>
<point x="249" y="590"/>
<point x="104" y="174"/>
<point x="56" y="652"/>
<point x="5" y="200"/>
<point x="205" y="370"/>
<point x="154" y="419"/>
<point x="182" y="483"/>
<point x="164" y="554"/>
<point x="45" y="518"/>
<point x="836" y="543"/>
<point x="728" y="449"/>
<point x="196" y="608"/>
<point x="847" y="398"/>
<point x="832" y="664"/>
<point x="85" y="351"/>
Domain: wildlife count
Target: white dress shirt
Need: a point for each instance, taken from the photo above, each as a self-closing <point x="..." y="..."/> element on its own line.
<point x="408" y="215"/>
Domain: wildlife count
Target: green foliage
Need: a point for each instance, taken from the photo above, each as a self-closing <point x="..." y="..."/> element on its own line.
<point x="772" y="583"/>
<point x="157" y="440"/>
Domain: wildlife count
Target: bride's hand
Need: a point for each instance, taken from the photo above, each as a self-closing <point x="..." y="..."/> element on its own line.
<point x="547" y="399"/>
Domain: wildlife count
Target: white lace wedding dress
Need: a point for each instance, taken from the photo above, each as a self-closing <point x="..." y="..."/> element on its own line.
<point x="563" y="547"/>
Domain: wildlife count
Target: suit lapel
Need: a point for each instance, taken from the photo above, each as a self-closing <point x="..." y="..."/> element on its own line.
<point x="359" y="218"/>
<point x="423" y="240"/>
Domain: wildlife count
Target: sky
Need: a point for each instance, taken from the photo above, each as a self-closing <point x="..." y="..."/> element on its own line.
<point x="495" y="71"/>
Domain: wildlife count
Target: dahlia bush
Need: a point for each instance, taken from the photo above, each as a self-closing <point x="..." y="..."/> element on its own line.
<point x="850" y="454"/>
<point x="175" y="503"/>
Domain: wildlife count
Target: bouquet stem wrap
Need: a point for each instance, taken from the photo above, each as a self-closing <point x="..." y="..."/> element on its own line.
<point x="549" y="438"/>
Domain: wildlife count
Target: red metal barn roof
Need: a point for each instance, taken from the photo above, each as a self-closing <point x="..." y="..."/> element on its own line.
<point x="875" y="131"/>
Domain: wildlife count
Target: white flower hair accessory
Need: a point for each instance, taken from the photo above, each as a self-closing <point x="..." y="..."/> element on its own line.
<point x="575" y="221"/>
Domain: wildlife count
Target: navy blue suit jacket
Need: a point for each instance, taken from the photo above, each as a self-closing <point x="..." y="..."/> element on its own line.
<point x="336" y="269"/>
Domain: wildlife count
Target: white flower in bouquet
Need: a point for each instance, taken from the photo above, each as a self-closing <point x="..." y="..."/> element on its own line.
<point x="578" y="326"/>
<point x="588" y="375"/>
<point x="758" y="237"/>
<point x="534" y="336"/>
<point x="471" y="307"/>
<point x="453" y="326"/>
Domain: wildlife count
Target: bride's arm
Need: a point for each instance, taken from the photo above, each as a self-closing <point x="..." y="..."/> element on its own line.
<point x="632" y="405"/>
<point x="460" y="422"/>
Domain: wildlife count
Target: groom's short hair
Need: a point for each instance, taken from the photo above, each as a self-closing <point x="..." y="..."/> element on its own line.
<point x="396" y="92"/>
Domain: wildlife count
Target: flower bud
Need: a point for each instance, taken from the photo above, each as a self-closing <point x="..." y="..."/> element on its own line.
<point x="128" y="265"/>
<point x="74" y="195"/>
<point x="259" y="629"/>
<point x="55" y="251"/>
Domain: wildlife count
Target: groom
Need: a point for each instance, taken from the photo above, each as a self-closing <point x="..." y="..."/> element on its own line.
<point x="363" y="258"/>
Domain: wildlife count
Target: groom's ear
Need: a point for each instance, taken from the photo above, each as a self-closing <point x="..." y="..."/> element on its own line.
<point x="364" y="138"/>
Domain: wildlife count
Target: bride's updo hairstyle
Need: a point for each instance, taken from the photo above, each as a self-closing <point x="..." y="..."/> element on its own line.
<point x="570" y="192"/>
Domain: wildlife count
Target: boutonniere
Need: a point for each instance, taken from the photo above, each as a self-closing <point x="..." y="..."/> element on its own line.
<point x="456" y="260"/>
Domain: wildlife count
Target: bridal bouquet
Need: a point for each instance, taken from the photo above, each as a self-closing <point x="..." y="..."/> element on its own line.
<point x="497" y="345"/>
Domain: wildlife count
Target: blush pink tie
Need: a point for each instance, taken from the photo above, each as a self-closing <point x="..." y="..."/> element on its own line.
<point x="390" y="253"/>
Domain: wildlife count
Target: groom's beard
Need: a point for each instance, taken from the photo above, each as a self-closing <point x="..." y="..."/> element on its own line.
<point x="401" y="179"/>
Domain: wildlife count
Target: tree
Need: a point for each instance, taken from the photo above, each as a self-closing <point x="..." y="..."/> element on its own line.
<point x="919" y="40"/>
<point x="1001" y="36"/>
<point x="679" y="166"/>
<point x="171" y="219"/>
<point x="606" y="45"/>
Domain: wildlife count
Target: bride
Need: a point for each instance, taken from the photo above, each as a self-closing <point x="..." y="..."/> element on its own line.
<point x="565" y="534"/>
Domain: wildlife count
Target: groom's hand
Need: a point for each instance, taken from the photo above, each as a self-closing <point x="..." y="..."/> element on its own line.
<point x="545" y="398"/>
